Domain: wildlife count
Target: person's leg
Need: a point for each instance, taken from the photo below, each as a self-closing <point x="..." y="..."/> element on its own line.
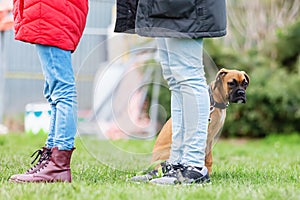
<point x="42" y="154"/>
<point x="176" y="101"/>
<point x="61" y="93"/>
<point x="54" y="163"/>
<point x="51" y="132"/>
<point x="169" y="168"/>
<point x="186" y="64"/>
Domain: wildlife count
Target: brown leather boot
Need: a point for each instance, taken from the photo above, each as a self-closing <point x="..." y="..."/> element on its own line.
<point x="43" y="155"/>
<point x="55" y="169"/>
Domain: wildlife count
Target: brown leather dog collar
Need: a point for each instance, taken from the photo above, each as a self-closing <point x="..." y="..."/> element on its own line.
<point x="214" y="104"/>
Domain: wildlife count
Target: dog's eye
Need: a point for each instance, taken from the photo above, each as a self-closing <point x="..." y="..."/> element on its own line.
<point x="231" y="84"/>
<point x="245" y="84"/>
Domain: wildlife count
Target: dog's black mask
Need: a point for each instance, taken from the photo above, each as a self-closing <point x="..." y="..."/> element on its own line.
<point x="238" y="91"/>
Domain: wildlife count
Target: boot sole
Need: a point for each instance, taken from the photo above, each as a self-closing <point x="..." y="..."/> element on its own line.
<point x="51" y="181"/>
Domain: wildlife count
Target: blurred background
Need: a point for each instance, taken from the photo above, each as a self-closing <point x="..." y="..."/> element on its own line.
<point x="120" y="89"/>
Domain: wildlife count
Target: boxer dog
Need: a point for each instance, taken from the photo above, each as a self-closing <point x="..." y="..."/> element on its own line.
<point x="228" y="87"/>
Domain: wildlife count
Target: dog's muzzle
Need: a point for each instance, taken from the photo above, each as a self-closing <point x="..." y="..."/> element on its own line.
<point x="239" y="96"/>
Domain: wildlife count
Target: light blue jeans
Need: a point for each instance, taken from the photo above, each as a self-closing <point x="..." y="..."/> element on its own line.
<point x="182" y="64"/>
<point x="60" y="92"/>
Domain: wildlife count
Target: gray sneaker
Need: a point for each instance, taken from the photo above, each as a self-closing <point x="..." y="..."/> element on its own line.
<point x="164" y="168"/>
<point x="170" y="177"/>
<point x="193" y="175"/>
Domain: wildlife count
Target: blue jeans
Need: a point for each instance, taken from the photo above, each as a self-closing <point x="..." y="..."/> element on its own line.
<point x="60" y="92"/>
<point x="182" y="65"/>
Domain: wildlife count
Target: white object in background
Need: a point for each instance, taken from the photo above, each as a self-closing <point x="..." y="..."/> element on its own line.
<point x="37" y="118"/>
<point x="3" y="129"/>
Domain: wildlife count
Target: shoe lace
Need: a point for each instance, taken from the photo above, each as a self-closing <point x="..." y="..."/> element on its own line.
<point x="189" y="174"/>
<point x="41" y="155"/>
<point x="38" y="154"/>
<point x="47" y="159"/>
<point x="171" y="170"/>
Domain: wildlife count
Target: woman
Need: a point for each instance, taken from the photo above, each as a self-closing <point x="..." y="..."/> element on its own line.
<point x="55" y="27"/>
<point x="179" y="28"/>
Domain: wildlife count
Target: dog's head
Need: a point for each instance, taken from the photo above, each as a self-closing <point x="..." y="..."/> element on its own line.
<point x="234" y="84"/>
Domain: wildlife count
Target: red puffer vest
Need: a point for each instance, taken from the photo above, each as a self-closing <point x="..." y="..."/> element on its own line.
<point x="57" y="23"/>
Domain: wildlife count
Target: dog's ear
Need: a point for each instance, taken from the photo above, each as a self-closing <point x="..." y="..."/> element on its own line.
<point x="221" y="74"/>
<point x="246" y="76"/>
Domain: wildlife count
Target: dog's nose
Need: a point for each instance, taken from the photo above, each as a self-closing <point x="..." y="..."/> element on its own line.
<point x="241" y="92"/>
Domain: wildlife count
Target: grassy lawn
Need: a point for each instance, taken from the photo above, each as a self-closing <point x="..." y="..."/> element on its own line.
<point x="243" y="169"/>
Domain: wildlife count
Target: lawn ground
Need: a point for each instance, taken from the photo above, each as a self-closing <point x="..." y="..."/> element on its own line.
<point x="243" y="169"/>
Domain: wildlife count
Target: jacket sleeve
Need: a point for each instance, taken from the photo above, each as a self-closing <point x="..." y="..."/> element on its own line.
<point x="126" y="14"/>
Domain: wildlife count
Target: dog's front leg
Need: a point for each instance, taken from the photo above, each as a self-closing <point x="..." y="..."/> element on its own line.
<point x="208" y="157"/>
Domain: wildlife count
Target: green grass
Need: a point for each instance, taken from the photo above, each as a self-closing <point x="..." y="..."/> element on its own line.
<point x="243" y="169"/>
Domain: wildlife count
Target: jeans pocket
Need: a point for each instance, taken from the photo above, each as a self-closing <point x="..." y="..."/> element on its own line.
<point x="173" y="9"/>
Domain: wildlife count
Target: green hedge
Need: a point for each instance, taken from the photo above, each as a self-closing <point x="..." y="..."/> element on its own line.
<point x="287" y="47"/>
<point x="273" y="105"/>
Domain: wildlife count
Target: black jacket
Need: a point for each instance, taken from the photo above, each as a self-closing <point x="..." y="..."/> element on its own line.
<point x="172" y="18"/>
